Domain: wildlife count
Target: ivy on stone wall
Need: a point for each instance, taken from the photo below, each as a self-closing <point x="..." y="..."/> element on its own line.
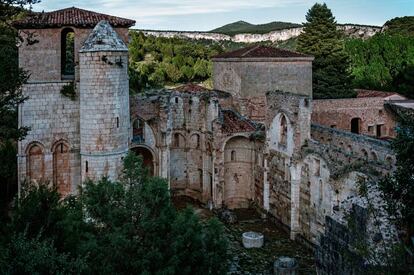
<point x="69" y="91"/>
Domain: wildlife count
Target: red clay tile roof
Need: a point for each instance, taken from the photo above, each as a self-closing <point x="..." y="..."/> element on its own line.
<point x="260" y="51"/>
<point x="191" y="87"/>
<point x="234" y="123"/>
<point x="74" y="17"/>
<point x="371" y="93"/>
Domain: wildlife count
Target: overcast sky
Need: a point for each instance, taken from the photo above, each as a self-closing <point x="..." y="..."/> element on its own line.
<point x="205" y="15"/>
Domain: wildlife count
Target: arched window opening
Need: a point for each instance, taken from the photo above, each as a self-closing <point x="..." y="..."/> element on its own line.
<point x="356" y="125"/>
<point x="364" y="153"/>
<point x="317" y="171"/>
<point x="283" y="130"/>
<point x="68" y="53"/>
<point x="138" y="131"/>
<point x="389" y="161"/>
<point x="200" y="178"/>
<point x="61" y="168"/>
<point x="233" y="155"/>
<point x="197" y="141"/>
<point x="374" y="156"/>
<point x="320" y="191"/>
<point x="35" y="163"/>
<point x="176" y="140"/>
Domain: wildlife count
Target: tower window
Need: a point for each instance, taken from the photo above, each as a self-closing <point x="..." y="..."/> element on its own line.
<point x="86" y="166"/>
<point x="233" y="155"/>
<point x="117" y="122"/>
<point x="283" y="130"/>
<point x="176" y="140"/>
<point x="68" y="54"/>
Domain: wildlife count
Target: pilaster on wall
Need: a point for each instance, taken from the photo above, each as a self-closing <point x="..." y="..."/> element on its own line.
<point x="295" y="171"/>
<point x="266" y="190"/>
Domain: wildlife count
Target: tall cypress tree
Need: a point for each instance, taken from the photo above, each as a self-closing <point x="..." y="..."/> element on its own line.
<point x="323" y="40"/>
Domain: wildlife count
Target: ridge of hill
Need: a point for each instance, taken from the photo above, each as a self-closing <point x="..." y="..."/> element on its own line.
<point x="245" y="27"/>
<point x="400" y="25"/>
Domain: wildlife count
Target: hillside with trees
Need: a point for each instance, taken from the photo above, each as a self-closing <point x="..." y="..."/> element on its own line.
<point x="400" y="26"/>
<point x="245" y="27"/>
<point x="156" y="61"/>
<point x="384" y="62"/>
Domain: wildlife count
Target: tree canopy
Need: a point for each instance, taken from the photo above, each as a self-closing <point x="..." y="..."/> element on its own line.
<point x="383" y="62"/>
<point x="125" y="227"/>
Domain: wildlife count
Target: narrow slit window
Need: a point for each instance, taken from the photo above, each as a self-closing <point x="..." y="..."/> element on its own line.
<point x="68" y="53"/>
<point x="86" y="166"/>
<point x="117" y="122"/>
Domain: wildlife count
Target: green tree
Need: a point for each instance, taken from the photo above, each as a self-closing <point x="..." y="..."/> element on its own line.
<point x="322" y="40"/>
<point x="383" y="62"/>
<point x="398" y="189"/>
<point x="125" y="227"/>
<point x="11" y="80"/>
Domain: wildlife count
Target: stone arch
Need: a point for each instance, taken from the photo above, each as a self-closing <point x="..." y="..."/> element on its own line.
<point x="374" y="156"/>
<point x="61" y="167"/>
<point x="238" y="172"/>
<point x="195" y="141"/>
<point x="281" y="134"/>
<point x="389" y="160"/>
<point x="364" y="154"/>
<point x="138" y="130"/>
<point x="143" y="133"/>
<point x="35" y="170"/>
<point x="148" y="157"/>
<point x="68" y="53"/>
<point x="178" y="140"/>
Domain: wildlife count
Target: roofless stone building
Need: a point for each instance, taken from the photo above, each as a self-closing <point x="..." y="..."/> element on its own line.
<point x="247" y="143"/>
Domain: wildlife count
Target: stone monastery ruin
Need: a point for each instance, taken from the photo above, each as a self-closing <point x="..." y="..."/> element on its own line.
<point x="249" y="142"/>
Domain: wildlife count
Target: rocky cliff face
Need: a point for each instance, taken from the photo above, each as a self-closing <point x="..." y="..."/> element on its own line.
<point x="354" y="31"/>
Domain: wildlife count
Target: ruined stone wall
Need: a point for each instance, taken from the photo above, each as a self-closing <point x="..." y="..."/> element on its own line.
<point x="182" y="126"/>
<point x="330" y="172"/>
<point x="104" y="113"/>
<point x="338" y="113"/>
<point x="283" y="145"/>
<point x="249" y="80"/>
<point x="353" y="146"/>
<point x="53" y="120"/>
<point x="41" y="54"/>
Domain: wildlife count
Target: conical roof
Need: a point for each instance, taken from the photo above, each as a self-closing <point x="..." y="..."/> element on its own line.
<point x="103" y="38"/>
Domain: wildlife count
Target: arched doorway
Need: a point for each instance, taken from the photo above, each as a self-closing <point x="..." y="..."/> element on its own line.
<point x="61" y="168"/>
<point x="356" y="125"/>
<point x="147" y="157"/>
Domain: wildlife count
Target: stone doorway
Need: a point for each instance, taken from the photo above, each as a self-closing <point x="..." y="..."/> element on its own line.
<point x="147" y="157"/>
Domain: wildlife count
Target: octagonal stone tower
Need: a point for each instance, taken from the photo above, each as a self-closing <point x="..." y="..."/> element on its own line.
<point x="104" y="103"/>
